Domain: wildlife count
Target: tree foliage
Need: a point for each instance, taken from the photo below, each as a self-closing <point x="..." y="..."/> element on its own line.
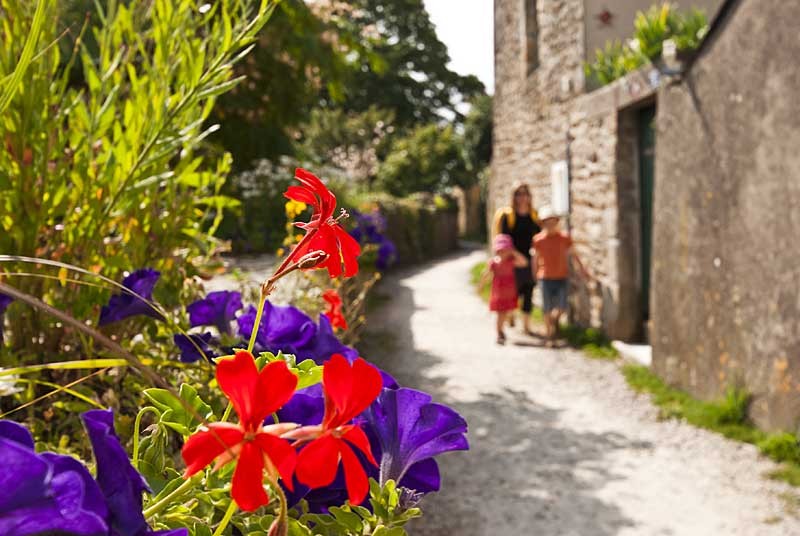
<point x="412" y="78"/>
<point x="427" y="160"/>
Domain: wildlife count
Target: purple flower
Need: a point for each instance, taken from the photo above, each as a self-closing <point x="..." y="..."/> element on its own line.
<point x="194" y="347"/>
<point x="283" y="328"/>
<point x="120" y="483"/>
<point x="387" y="254"/>
<point x="410" y="430"/>
<point x="324" y="344"/>
<point x="45" y="493"/>
<point x="120" y="306"/>
<point x="217" y="309"/>
<point x="369" y="227"/>
<point x="5" y="301"/>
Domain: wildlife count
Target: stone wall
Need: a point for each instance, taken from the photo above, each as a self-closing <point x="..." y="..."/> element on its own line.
<point x="542" y="118"/>
<point x="726" y="296"/>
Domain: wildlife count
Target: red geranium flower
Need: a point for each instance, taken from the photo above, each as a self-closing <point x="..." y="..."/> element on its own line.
<point x="254" y="396"/>
<point x="349" y="390"/>
<point x="334" y="312"/>
<point x="323" y="231"/>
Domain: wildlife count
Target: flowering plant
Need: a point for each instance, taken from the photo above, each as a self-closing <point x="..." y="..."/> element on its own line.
<point x="322" y="441"/>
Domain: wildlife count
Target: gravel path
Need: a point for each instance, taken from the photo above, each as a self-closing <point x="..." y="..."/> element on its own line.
<point x="560" y="445"/>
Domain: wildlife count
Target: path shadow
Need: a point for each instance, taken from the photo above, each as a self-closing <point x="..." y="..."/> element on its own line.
<point x="524" y="474"/>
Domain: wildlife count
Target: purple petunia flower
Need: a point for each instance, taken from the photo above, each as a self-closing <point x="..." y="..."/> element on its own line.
<point x="369" y="227"/>
<point x="217" y="309"/>
<point x="322" y="346"/>
<point x="387" y="254"/>
<point x="120" y="483"/>
<point x="45" y="493"/>
<point x="5" y="301"/>
<point x="194" y="347"/>
<point x="411" y="429"/>
<point x="49" y="493"/>
<point x="283" y="328"/>
<point x="125" y="305"/>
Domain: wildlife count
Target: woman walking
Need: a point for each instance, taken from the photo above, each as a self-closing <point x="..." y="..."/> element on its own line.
<point x="519" y="220"/>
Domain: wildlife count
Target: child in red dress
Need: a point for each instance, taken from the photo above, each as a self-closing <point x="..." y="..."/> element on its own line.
<point x="503" y="298"/>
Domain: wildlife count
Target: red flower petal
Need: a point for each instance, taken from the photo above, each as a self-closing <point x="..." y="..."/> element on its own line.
<point x="327" y="201"/>
<point x="351" y="388"/>
<point x="204" y="446"/>
<point x="298" y="193"/>
<point x="276" y="385"/>
<point x="238" y="378"/>
<point x="281" y="454"/>
<point x="357" y="437"/>
<point x="318" y="461"/>
<point x="247" y="487"/>
<point x="334" y="312"/>
<point x="354" y="476"/>
<point x="367" y="385"/>
<point x="326" y="241"/>
<point x="337" y="381"/>
<point x="350" y="249"/>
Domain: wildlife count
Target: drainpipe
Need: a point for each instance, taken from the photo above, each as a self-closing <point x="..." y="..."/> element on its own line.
<point x="568" y="158"/>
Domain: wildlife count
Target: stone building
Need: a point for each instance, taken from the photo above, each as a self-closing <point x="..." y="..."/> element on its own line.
<point x="726" y="294"/>
<point x="590" y="151"/>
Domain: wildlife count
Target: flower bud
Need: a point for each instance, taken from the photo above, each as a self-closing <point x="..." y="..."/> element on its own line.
<point x="280" y="527"/>
<point x="312" y="259"/>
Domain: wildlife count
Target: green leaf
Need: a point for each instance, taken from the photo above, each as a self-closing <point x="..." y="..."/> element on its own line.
<point x="347" y="519"/>
<point x="173" y="413"/>
<point x="308" y="373"/>
<point x="35" y="32"/>
<point x="394" y="531"/>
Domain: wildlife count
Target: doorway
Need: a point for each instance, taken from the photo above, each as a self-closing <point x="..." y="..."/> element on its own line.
<point x="646" y="135"/>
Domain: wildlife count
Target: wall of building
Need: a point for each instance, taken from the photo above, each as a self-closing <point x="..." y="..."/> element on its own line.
<point x="726" y="295"/>
<point x="542" y="117"/>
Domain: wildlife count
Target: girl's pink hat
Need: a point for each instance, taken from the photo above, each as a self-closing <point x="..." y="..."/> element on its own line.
<point x="502" y="242"/>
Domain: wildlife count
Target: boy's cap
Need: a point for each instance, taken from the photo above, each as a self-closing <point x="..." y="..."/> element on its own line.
<point x="546" y="212"/>
<point x="502" y="242"/>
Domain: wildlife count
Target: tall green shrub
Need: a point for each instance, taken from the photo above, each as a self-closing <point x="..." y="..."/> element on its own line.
<point x="110" y="172"/>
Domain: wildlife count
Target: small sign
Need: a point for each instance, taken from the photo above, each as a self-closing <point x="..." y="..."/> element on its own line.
<point x="559" y="182"/>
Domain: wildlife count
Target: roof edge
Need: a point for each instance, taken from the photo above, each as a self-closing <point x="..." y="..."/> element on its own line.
<point x="723" y="15"/>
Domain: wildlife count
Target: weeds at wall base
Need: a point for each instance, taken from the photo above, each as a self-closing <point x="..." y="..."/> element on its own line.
<point x="727" y="417"/>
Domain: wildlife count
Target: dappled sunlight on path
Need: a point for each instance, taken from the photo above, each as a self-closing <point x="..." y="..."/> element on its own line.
<point x="560" y="446"/>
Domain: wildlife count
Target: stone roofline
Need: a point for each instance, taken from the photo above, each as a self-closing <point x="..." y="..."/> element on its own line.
<point x="635" y="87"/>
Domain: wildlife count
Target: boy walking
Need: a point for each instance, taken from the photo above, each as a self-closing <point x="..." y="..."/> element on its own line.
<point x="553" y="253"/>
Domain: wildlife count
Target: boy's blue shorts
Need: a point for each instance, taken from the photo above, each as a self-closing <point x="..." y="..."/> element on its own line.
<point x="554" y="294"/>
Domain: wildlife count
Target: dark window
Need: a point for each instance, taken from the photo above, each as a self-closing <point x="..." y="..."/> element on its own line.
<point x="530" y="33"/>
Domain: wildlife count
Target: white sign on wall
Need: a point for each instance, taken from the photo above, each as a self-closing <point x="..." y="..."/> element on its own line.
<point x="559" y="182"/>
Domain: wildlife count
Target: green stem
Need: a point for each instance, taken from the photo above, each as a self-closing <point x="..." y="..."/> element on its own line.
<point x="137" y="423"/>
<point x="227" y="413"/>
<point x="177" y="492"/>
<point x="283" y="515"/>
<point x="259" y="313"/>
<point x="225" y="520"/>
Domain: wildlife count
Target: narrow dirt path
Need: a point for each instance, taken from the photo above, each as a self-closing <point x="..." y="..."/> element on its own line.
<point x="560" y="445"/>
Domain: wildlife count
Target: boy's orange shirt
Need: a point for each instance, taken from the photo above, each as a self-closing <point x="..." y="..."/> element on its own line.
<point x="552" y="254"/>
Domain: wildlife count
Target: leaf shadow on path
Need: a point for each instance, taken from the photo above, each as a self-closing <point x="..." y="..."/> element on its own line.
<point x="524" y="473"/>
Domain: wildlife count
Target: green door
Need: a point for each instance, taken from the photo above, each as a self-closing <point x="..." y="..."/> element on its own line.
<point x="647" y="153"/>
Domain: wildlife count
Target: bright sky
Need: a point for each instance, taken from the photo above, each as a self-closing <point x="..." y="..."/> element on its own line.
<point x="467" y="28"/>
